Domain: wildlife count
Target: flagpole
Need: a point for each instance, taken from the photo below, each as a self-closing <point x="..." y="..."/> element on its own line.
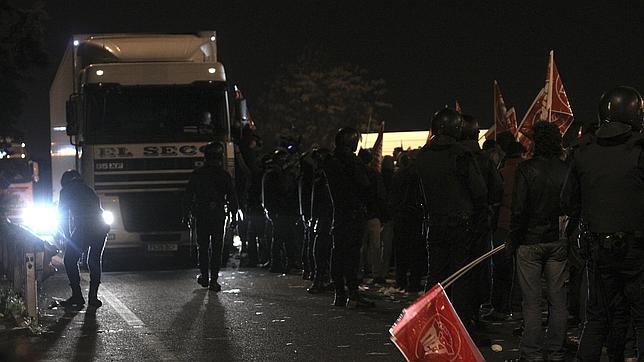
<point x="459" y="273"/>
<point x="551" y="66"/>
<point x="494" y="86"/>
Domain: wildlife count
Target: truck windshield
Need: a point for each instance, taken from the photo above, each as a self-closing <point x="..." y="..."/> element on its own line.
<point x="133" y="114"/>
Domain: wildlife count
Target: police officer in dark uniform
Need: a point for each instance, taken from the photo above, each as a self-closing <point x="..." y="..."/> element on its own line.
<point x="209" y="196"/>
<point x="605" y="191"/>
<point x="321" y="221"/>
<point x="348" y="188"/>
<point x="406" y="203"/>
<point x="483" y="234"/>
<point x="280" y="200"/>
<point x="456" y="198"/>
<point x="84" y="230"/>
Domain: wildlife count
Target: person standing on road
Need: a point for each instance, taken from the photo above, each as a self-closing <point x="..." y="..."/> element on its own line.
<point x="456" y="196"/>
<point x="540" y="245"/>
<point x="604" y="191"/>
<point x="280" y="200"/>
<point x="406" y="205"/>
<point x="83" y="227"/>
<point x="209" y="196"/>
<point x="348" y="187"/>
<point x="321" y="221"/>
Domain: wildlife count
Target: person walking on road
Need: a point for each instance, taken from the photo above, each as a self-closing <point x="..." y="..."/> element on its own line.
<point x="84" y="229"/>
<point x="209" y="196"/>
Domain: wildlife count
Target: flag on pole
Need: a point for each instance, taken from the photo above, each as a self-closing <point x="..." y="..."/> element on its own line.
<point x="511" y="121"/>
<point x="532" y="116"/>
<point x="430" y="330"/>
<point x="560" y="112"/>
<point x="504" y="120"/>
<point x="377" y="149"/>
<point x="551" y="105"/>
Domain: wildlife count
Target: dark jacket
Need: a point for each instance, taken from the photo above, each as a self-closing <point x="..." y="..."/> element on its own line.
<point x="536" y="201"/>
<point x="489" y="172"/>
<point x="80" y="209"/>
<point x="451" y="178"/>
<point x="210" y="193"/>
<point x="348" y="187"/>
<point x="279" y="192"/>
<point x="406" y="195"/>
<point x="605" y="184"/>
<point x="508" y="174"/>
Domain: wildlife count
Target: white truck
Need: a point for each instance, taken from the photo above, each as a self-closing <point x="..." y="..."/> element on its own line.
<point x="131" y="113"/>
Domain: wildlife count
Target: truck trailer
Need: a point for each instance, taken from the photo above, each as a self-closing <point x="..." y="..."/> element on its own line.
<point x="131" y="112"/>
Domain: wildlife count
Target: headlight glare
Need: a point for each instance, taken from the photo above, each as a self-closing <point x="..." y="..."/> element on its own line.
<point x="108" y="217"/>
<point x="41" y="219"/>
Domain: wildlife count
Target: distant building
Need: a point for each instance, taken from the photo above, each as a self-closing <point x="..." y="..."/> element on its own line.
<point x="406" y="140"/>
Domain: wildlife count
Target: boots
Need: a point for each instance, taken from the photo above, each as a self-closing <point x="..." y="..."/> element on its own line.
<point x="76" y="300"/>
<point x="93" y="298"/>
<point x="202" y="279"/>
<point x="214" y="285"/>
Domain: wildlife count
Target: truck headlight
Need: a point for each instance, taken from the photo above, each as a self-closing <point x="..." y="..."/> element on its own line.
<point x="41" y="219"/>
<point x="108" y="217"/>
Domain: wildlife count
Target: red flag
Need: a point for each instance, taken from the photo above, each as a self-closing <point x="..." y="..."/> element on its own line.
<point x="499" y="111"/>
<point x="377" y="149"/>
<point x="504" y="120"/>
<point x="560" y="112"/>
<point x="511" y="121"/>
<point x="430" y="330"/>
<point x="534" y="114"/>
<point x="457" y="107"/>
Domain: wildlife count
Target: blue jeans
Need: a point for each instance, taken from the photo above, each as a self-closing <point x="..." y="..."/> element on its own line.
<point x="551" y="261"/>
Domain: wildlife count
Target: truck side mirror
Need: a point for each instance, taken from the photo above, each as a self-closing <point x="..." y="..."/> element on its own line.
<point x="73" y="114"/>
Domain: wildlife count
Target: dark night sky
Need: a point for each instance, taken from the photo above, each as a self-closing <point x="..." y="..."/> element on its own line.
<point x="429" y="52"/>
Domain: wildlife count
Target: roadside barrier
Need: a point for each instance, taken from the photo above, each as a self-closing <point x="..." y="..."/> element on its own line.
<point x="22" y="262"/>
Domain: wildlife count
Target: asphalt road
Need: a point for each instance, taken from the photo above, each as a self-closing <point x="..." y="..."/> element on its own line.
<point x="165" y="315"/>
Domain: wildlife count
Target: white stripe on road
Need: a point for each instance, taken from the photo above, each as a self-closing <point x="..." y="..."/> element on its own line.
<point x="128" y="316"/>
<point x="148" y="337"/>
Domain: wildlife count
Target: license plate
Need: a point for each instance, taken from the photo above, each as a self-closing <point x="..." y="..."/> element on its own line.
<point x="163" y="247"/>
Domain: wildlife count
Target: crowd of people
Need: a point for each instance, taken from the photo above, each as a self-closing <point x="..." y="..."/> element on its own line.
<point x="571" y="220"/>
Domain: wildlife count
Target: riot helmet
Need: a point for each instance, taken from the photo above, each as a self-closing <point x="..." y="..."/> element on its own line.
<point x="622" y="104"/>
<point x="470" y="129"/>
<point x="214" y="153"/>
<point x="69" y="176"/>
<point x="447" y="122"/>
<point x="346" y="140"/>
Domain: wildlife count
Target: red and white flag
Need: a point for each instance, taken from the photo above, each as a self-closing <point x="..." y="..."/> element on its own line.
<point x="537" y="112"/>
<point x="504" y="120"/>
<point x="550" y="105"/>
<point x="430" y="330"/>
<point x="560" y="112"/>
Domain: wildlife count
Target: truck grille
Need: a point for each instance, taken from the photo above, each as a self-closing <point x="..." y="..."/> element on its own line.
<point x="151" y="211"/>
